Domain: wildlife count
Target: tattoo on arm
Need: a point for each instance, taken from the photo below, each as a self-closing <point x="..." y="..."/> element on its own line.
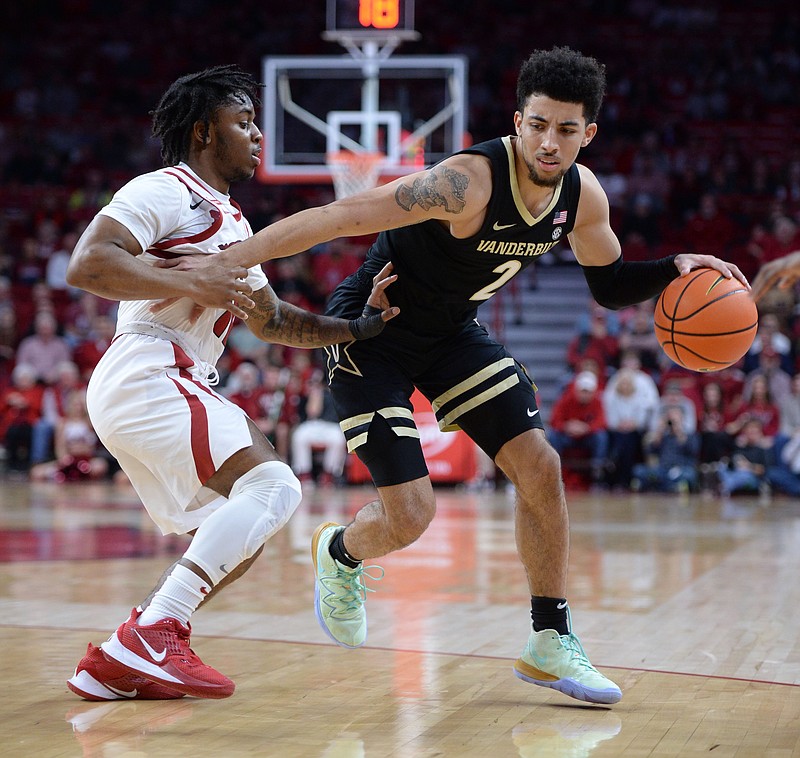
<point x="273" y="320"/>
<point x="441" y="186"/>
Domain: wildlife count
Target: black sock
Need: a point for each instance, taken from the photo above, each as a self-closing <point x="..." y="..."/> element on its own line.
<point x="338" y="552"/>
<point x="549" y="613"/>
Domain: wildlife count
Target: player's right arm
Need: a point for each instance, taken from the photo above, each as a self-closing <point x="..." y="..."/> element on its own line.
<point x="274" y="320"/>
<point x="614" y="282"/>
<point x="455" y="192"/>
<point x="106" y="262"/>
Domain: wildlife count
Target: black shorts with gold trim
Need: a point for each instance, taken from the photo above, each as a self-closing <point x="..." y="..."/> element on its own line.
<point x="472" y="382"/>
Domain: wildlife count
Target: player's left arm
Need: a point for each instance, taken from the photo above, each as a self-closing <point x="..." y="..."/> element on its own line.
<point x="273" y="320"/>
<point x="616" y="283"/>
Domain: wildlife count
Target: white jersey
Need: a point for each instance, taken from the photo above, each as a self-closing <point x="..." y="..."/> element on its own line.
<point x="149" y="397"/>
<point x="172" y="212"/>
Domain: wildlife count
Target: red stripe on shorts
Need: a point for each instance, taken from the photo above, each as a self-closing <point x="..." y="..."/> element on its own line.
<point x="201" y="449"/>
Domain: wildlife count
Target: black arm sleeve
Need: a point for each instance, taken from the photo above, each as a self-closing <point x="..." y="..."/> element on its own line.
<point x="624" y="283"/>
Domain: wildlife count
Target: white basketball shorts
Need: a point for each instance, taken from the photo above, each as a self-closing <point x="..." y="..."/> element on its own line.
<point x="167" y="428"/>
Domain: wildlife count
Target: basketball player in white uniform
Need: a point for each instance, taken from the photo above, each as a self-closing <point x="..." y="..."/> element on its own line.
<point x="197" y="461"/>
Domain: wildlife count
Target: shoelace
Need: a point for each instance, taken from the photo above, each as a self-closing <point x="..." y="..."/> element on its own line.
<point x="346" y="589"/>
<point x="573" y="644"/>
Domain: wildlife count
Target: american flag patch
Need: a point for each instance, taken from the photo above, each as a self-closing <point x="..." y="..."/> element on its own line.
<point x="560" y="218"/>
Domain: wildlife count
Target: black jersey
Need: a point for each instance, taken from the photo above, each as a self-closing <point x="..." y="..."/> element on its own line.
<point x="442" y="280"/>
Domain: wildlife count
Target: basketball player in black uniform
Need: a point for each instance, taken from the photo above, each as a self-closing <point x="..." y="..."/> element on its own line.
<point x="455" y="234"/>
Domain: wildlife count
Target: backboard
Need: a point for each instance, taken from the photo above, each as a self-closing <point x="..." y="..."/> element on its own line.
<point x="411" y="109"/>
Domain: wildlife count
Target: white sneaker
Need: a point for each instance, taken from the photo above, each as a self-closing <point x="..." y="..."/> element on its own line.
<point x="559" y="662"/>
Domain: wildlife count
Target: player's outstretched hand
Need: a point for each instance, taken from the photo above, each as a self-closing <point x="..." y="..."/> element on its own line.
<point x="687" y="262"/>
<point x="781" y="273"/>
<point x="377" y="311"/>
<point x="215" y="285"/>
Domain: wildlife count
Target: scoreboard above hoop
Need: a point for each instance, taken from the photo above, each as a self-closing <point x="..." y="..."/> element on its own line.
<point x="378" y="16"/>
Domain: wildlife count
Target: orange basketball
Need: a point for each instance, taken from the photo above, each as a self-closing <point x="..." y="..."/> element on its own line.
<point x="705" y="322"/>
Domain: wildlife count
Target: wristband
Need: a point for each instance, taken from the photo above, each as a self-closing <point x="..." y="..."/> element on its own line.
<point x="369" y="324"/>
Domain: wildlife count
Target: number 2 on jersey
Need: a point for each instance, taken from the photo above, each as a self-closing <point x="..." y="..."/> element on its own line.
<point x="506" y="271"/>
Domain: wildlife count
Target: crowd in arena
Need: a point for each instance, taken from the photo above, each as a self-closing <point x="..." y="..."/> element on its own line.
<point x="697" y="150"/>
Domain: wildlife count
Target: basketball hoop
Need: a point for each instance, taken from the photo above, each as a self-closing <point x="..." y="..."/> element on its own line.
<point x="354" y="172"/>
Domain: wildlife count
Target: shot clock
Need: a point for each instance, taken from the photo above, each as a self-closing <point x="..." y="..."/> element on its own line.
<point x="378" y="16"/>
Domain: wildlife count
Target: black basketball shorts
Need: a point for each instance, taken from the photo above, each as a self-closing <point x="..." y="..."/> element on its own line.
<point x="472" y="382"/>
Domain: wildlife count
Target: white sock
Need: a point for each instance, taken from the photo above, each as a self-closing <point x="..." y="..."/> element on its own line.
<point x="177" y="598"/>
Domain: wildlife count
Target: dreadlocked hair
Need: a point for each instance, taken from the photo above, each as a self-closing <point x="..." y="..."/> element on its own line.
<point x="196" y="97"/>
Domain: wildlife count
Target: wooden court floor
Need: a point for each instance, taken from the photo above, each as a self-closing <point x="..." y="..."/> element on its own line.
<point x="692" y="605"/>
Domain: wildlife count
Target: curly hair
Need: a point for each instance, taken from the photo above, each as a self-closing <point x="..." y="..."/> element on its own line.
<point x="197" y="97"/>
<point x="566" y="75"/>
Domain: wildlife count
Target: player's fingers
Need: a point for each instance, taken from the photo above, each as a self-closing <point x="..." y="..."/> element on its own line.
<point x="390" y="313"/>
<point x="382" y="284"/>
<point x="383" y="273"/>
<point x="159" y="305"/>
<point x="195" y="314"/>
<point x="737" y="272"/>
<point x="171" y="263"/>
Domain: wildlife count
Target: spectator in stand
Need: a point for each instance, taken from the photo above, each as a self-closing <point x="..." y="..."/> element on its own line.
<point x="673" y="396"/>
<point x="671" y="454"/>
<point x="649" y="178"/>
<point x="292" y="282"/>
<point x="642" y="220"/>
<point x="715" y="442"/>
<point x="788" y="191"/>
<point x="57" y="262"/>
<point x="784" y="475"/>
<point x="77" y="450"/>
<point x="88" y="352"/>
<point x="637" y="335"/>
<point x="29" y="268"/>
<point x="6" y="295"/>
<point x="779" y="381"/>
<point x="244" y="389"/>
<point x="731" y="380"/>
<point x="55" y="399"/>
<point x="263" y="396"/>
<point x="710" y="229"/>
<point x="334" y="263"/>
<point x="578" y="423"/>
<point x="318" y="429"/>
<point x="597" y="345"/>
<point x="20" y="408"/>
<point x="781" y="240"/>
<point x="770" y="333"/>
<point x="645" y="383"/>
<point x="628" y="405"/>
<point x="751" y="457"/>
<point x="81" y="314"/>
<point x="594" y="310"/>
<point x="756" y="404"/>
<point x="9" y="340"/>
<point x="789" y="408"/>
<point x="44" y="350"/>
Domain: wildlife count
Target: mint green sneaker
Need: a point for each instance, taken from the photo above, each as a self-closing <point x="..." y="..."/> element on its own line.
<point x="559" y="662"/>
<point x="339" y="592"/>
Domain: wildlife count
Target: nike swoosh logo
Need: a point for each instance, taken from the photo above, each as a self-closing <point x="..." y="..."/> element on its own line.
<point x="561" y="606"/>
<point x="122" y="693"/>
<point x="194" y="206"/>
<point x="153" y="654"/>
<point x="540" y="661"/>
<point x="499" y="227"/>
<point x="222" y="568"/>
<point x="532" y="413"/>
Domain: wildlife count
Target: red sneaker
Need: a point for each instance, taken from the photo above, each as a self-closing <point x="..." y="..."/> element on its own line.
<point x="96" y="678"/>
<point x="160" y="652"/>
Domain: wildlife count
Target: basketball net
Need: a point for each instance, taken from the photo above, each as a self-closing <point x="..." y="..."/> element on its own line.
<point x="353" y="172"/>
